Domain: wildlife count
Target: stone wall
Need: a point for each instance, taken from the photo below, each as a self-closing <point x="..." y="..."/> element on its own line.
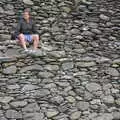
<point x="75" y="74"/>
<point x="46" y="13"/>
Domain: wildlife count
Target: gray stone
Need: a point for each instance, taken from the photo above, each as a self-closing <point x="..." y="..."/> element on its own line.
<point x="93" y="115"/>
<point x="95" y="101"/>
<point x="28" y="2"/>
<point x="116" y="115"/>
<point x="85" y="64"/>
<point x="67" y="65"/>
<point x="50" y="85"/>
<point x="75" y="115"/>
<point x="102" y="59"/>
<point x="10" y="70"/>
<point x="60" y="37"/>
<point x="9" y="7"/>
<point x="57" y="99"/>
<point x="45" y="74"/>
<point x="6" y="99"/>
<point x="116" y="61"/>
<point x="29" y="87"/>
<point x="108" y="99"/>
<point x="12" y="114"/>
<point x="93" y="25"/>
<point x="7" y="59"/>
<point x="17" y="104"/>
<point x="2" y="118"/>
<point x="79" y="37"/>
<point x="82" y="8"/>
<point x="13" y="87"/>
<point x="66" y="9"/>
<point x="104" y="17"/>
<point x="117" y="101"/>
<point x="12" y="52"/>
<point x="70" y="99"/>
<point x="33" y="116"/>
<point x="61" y="117"/>
<point x="5" y="37"/>
<point x="2" y="47"/>
<point x="83" y="105"/>
<point x="52" y="67"/>
<point x="86" y="2"/>
<point x="55" y="29"/>
<point x="112" y="72"/>
<point x="1" y="25"/>
<point x="41" y="93"/>
<point x="1" y="10"/>
<point x="87" y="33"/>
<point x="10" y="13"/>
<point x="31" y="68"/>
<point x="79" y="50"/>
<point x="88" y="95"/>
<point x="46" y="47"/>
<point x="68" y="88"/>
<point x="104" y="116"/>
<point x="79" y="73"/>
<point x="76" y="50"/>
<point x="63" y="84"/>
<point x="93" y="87"/>
<point x="38" y="53"/>
<point x="51" y="113"/>
<point x="96" y="31"/>
<point x="1" y="113"/>
<point x="114" y="91"/>
<point x="1" y="54"/>
<point x="64" y="118"/>
<point x="33" y="107"/>
<point x="57" y="54"/>
<point x="107" y="86"/>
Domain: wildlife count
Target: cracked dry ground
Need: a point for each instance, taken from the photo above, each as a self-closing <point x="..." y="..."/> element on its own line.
<point x="76" y="73"/>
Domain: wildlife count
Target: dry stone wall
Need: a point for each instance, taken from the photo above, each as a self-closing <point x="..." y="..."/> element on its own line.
<point x="75" y="74"/>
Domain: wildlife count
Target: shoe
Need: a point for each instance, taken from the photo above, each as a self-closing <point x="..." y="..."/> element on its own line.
<point x="31" y="51"/>
<point x="25" y="50"/>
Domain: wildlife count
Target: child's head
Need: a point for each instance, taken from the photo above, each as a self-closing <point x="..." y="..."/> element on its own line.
<point x="26" y="14"/>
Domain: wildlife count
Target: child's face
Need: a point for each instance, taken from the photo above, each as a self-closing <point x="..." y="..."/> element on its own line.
<point x="26" y="15"/>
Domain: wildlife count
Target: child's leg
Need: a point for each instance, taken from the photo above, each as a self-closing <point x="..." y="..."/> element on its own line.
<point x="22" y="41"/>
<point x="35" y="39"/>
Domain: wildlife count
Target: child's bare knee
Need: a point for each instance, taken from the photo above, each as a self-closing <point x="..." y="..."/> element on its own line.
<point x="21" y="37"/>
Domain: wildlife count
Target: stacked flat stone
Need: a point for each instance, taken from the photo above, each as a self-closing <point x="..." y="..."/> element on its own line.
<point x="75" y="74"/>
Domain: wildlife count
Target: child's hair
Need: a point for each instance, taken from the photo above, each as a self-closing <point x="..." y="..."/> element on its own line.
<point x="27" y="10"/>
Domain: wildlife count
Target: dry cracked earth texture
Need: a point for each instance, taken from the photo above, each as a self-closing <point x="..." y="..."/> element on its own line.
<point x="75" y="74"/>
